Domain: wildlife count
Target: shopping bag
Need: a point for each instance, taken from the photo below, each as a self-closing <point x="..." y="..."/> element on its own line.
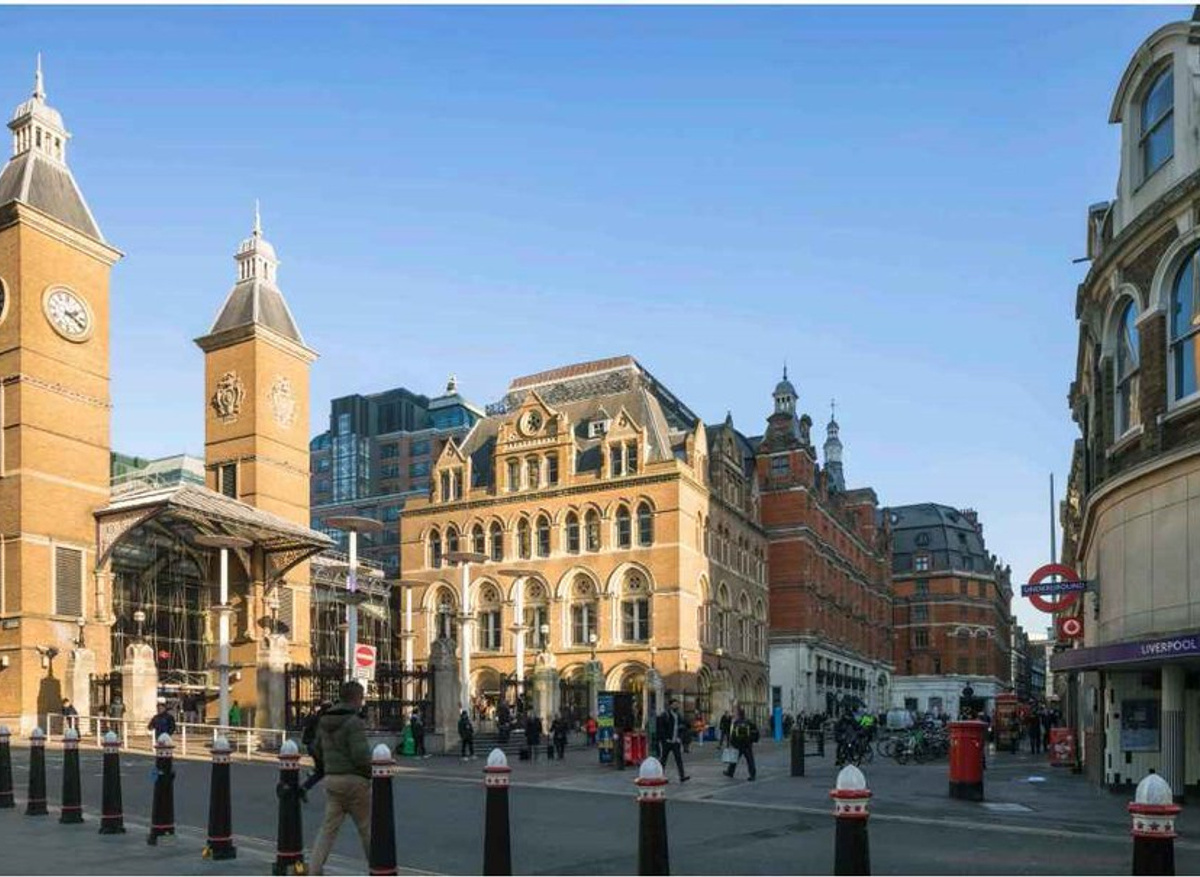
<point x="729" y="755"/>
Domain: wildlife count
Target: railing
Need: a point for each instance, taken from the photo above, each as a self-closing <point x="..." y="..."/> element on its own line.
<point x="189" y="738"/>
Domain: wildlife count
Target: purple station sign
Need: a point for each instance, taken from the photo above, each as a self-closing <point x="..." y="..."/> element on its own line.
<point x="1166" y="648"/>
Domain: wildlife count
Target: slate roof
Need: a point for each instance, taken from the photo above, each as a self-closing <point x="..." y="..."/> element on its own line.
<point x="257" y="302"/>
<point x="951" y="540"/>
<point x="48" y="186"/>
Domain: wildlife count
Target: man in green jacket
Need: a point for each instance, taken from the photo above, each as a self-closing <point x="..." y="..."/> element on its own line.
<point x="343" y="748"/>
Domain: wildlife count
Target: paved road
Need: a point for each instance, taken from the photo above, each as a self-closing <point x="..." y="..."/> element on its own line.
<point x="578" y="818"/>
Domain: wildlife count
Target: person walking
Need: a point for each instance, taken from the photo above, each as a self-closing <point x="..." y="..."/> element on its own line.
<point x="743" y="734"/>
<point x="342" y="746"/>
<point x="558" y="733"/>
<point x="591" y="727"/>
<point x="116" y="712"/>
<point x="670" y="730"/>
<point x="235" y="715"/>
<point x="418" y="734"/>
<point x="70" y="716"/>
<point x="163" y="722"/>
<point x="466" y="736"/>
<point x="309" y="738"/>
<point x="724" y="727"/>
<point x="533" y="735"/>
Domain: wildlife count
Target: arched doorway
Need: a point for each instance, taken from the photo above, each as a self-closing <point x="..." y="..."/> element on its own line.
<point x="573" y="694"/>
<point x="631" y="678"/>
<point x="485" y="691"/>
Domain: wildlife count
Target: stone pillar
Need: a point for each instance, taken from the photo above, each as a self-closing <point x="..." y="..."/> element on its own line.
<point x="1172" y="728"/>
<point x="655" y="705"/>
<point x="81" y="664"/>
<point x="139" y="686"/>
<point x="273" y="653"/>
<point x="545" y="688"/>
<point x="595" y="676"/>
<point x="446" y="704"/>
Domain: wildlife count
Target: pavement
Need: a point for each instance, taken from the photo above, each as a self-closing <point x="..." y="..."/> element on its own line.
<point x="577" y="817"/>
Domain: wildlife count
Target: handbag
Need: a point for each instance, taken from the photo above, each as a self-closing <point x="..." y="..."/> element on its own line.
<point x="729" y="755"/>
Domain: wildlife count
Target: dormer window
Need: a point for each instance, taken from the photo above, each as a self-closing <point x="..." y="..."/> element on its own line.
<point x="1157" y="136"/>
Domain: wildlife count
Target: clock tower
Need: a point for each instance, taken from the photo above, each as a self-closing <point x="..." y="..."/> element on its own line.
<point x="54" y="415"/>
<point x="256" y="375"/>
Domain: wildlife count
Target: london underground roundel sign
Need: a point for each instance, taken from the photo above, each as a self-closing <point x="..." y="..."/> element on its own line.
<point x="1062" y="601"/>
<point x="1070" y="627"/>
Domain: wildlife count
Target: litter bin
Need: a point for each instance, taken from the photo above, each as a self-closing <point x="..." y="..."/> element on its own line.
<point x="966" y="760"/>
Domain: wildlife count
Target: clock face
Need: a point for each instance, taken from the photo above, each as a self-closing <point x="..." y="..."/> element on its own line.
<point x="68" y="313"/>
<point x="531" y="422"/>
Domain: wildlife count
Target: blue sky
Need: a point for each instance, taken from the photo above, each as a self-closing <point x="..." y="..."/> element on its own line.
<point x="888" y="198"/>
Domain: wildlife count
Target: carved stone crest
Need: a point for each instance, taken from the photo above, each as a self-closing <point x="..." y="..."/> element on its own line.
<point x="283" y="402"/>
<point x="228" y="397"/>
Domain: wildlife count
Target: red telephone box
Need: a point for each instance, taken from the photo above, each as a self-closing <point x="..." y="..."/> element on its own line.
<point x="966" y="760"/>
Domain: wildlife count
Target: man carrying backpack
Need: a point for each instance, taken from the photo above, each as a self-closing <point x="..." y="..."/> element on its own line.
<point x="743" y="734"/>
<point x="309" y="738"/>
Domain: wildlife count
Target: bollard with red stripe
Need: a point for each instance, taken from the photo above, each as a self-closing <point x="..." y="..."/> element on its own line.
<point x="289" y="845"/>
<point x="1154" y="811"/>
<point x="36" y="803"/>
<point x="72" y="793"/>
<point x="851" y="808"/>
<point x="220" y="811"/>
<point x="652" y="818"/>
<point x="112" y="817"/>
<point x="383" y="818"/>
<point x="162" y="807"/>
<point x="6" y="780"/>
<point x="497" y="844"/>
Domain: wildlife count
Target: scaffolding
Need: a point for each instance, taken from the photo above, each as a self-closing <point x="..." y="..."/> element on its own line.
<point x="328" y="572"/>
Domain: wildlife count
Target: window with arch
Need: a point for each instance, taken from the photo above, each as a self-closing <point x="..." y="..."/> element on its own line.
<point x="444" y="616"/>
<point x="645" y="521"/>
<point x="444" y="479"/>
<point x="489" y="619"/>
<point x="533" y="471"/>
<point x="523" y="546"/>
<point x="435" y="548"/>
<point x="584" y="611"/>
<point x="451" y="539"/>
<point x="1127" y="361"/>
<point x="591" y="523"/>
<point x="514" y="475"/>
<point x="721" y="617"/>
<point x="572" y="533"/>
<point x="1184" y="323"/>
<point x="704" y="615"/>
<point x="478" y="540"/>
<point x="635" y="609"/>
<point x="552" y="469"/>
<point x="537" y="615"/>
<point x="543" y="536"/>
<point x="1156" y="140"/>
<point x="624" y="528"/>
<point x="744" y="625"/>
<point x="496" y="537"/>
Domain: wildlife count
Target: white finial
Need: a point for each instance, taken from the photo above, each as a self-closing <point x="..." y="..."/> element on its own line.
<point x="651" y="769"/>
<point x="785" y="369"/>
<point x="39" y="89"/>
<point x="833" y="409"/>
<point x="111" y="738"/>
<point x="289" y="749"/>
<point x="851" y="779"/>
<point x="71" y="734"/>
<point x="1153" y="789"/>
<point x="452" y="385"/>
<point x="37" y="734"/>
<point x="257" y="220"/>
<point x="381" y="754"/>
<point x="221" y="746"/>
<point x="497" y="758"/>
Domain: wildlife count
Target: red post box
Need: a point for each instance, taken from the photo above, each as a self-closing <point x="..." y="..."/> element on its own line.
<point x="635" y="747"/>
<point x="967" y="743"/>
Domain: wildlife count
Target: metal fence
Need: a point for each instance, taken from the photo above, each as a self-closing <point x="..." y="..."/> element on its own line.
<point x="189" y="739"/>
<point x="391" y="696"/>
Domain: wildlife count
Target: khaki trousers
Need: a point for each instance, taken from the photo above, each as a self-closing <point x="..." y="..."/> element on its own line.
<point x="345" y="794"/>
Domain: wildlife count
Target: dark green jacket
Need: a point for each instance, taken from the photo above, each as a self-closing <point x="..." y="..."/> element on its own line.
<point x="342" y="742"/>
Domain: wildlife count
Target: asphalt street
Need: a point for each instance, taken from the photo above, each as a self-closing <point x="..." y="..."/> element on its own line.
<point x="575" y="817"/>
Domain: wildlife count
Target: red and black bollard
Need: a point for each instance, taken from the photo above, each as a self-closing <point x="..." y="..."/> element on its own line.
<point x="162" y="808"/>
<point x="383" y="814"/>
<point x="112" y="817"/>
<point x="6" y="781"/>
<point x="652" y="818"/>
<point x="497" y="844"/>
<point x="1154" y="811"/>
<point x="220" y="810"/>
<point x="36" y="804"/>
<point x="851" y="807"/>
<point x="289" y="846"/>
<point x="72" y="793"/>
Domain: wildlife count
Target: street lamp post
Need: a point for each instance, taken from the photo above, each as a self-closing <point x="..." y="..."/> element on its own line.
<point x="223" y="610"/>
<point x="519" y="627"/>
<point x="353" y="525"/>
<point x="464" y="559"/>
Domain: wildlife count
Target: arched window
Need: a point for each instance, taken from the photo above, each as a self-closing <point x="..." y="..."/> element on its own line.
<point x="533" y="470"/>
<point x="537" y="615"/>
<point x="551" y="469"/>
<point x="1157" y="135"/>
<point x="445" y="482"/>
<point x="721" y="612"/>
<point x="497" y="540"/>
<point x="451" y="539"/>
<point x="543" y="536"/>
<point x="435" y="548"/>
<point x="489" y="619"/>
<point x="624" y="528"/>
<point x="478" y="542"/>
<point x="523" y="538"/>
<point x="645" y="524"/>
<point x="572" y="533"/>
<point x="744" y="625"/>
<point x="514" y="475"/>
<point x="584" y="611"/>
<point x="591" y="523"/>
<point x="1127" y="370"/>
<point x="1184" y="320"/>
<point x="635" y="609"/>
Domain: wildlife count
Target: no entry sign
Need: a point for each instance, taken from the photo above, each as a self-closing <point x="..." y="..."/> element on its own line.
<point x="364" y="662"/>
<point x="1065" y="598"/>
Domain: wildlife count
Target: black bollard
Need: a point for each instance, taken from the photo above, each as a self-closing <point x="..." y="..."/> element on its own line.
<point x="497" y="845"/>
<point x="36" y="805"/>
<point x="1154" y="812"/>
<point x="162" y="809"/>
<point x="820" y="744"/>
<point x="797" y="751"/>
<point x="289" y="845"/>
<point x="383" y="817"/>
<point x="112" y="817"/>
<point x="652" y="818"/>
<point x="619" y="751"/>
<point x="72" y="793"/>
<point x="6" y="781"/>
<point x="851" y="800"/>
<point x="220" y="813"/>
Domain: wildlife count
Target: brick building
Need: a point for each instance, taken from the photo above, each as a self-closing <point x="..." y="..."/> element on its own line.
<point x="951" y="613"/>
<point x="831" y="606"/>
